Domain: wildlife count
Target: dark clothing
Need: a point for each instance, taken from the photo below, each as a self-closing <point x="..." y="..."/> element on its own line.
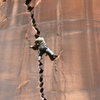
<point x="42" y="50"/>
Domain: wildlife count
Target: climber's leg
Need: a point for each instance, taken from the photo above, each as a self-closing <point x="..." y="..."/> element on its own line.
<point x="51" y="54"/>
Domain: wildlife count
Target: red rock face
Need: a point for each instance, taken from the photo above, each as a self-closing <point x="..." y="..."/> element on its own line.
<point x="68" y="26"/>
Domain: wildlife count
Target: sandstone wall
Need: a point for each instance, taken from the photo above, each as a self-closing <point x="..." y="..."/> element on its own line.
<point x="71" y="26"/>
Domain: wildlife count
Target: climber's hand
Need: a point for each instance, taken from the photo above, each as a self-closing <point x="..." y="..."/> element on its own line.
<point x="35" y="47"/>
<point x="31" y="46"/>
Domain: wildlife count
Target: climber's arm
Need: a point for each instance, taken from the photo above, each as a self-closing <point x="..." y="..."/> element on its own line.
<point x="34" y="47"/>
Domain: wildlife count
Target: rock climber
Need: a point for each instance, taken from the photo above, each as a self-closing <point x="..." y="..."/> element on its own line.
<point x="41" y="46"/>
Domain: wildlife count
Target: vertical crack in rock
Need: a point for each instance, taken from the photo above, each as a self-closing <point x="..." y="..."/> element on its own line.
<point x="41" y="82"/>
<point x="34" y="26"/>
<point x="27" y="2"/>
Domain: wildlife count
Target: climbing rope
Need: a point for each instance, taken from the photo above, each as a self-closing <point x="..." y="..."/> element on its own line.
<point x="30" y="9"/>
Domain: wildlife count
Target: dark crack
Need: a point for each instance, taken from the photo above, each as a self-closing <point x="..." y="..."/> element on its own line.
<point x="41" y="82"/>
<point x="27" y="2"/>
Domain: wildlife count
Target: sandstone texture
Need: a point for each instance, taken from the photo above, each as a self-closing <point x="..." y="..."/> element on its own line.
<point x="68" y="26"/>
